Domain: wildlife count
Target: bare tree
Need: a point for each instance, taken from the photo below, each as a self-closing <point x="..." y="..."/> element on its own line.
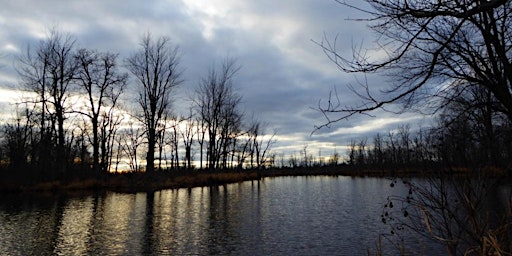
<point x="187" y="134"/>
<point x="109" y="128"/>
<point x="352" y="152"/>
<point x="429" y="44"/>
<point x="217" y="104"/>
<point x="201" y="131"/>
<point x="49" y="70"/>
<point x="155" y="68"/>
<point x="305" y="157"/>
<point x="377" y="149"/>
<point x="129" y="143"/>
<point x="173" y="140"/>
<point x="242" y="150"/>
<point x="334" y="159"/>
<point x="260" y="147"/>
<point x="17" y="138"/>
<point x="162" y="139"/>
<point x="361" y="151"/>
<point x="98" y="76"/>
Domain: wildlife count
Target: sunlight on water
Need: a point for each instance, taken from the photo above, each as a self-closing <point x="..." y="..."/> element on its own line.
<point x="75" y="228"/>
<point x="121" y="222"/>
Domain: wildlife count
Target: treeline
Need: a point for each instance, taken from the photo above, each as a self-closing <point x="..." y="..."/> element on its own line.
<point x="470" y="133"/>
<point x="77" y="119"/>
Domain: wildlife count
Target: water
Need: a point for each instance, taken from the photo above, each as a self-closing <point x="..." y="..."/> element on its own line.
<point x="275" y="216"/>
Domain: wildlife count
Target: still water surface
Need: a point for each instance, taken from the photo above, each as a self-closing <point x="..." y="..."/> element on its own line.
<point x="275" y="216"/>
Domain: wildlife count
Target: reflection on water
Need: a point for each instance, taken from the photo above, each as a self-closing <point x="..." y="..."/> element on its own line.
<point x="75" y="227"/>
<point x="287" y="215"/>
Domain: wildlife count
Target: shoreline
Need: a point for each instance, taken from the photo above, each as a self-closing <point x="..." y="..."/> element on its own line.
<point x="142" y="182"/>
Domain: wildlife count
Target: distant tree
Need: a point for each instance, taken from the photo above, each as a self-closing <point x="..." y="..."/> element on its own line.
<point x="98" y="76"/>
<point x="352" y="149"/>
<point x="334" y="159"/>
<point x="244" y="147"/>
<point x="392" y="148"/>
<point x="201" y="131"/>
<point x="405" y="144"/>
<point x="129" y="142"/>
<point x="378" y="149"/>
<point x="173" y="139"/>
<point x="155" y="68"/>
<point x="293" y="161"/>
<point x="218" y="107"/>
<point x="429" y="44"/>
<point x="17" y="138"/>
<point x="109" y="128"/>
<point x="161" y="139"/>
<point x="361" y="157"/>
<point x="305" y="157"/>
<point x="261" y="144"/>
<point x="187" y="134"/>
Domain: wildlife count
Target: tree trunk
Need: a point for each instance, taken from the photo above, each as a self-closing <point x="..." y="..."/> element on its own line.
<point x="95" y="146"/>
<point x="150" y="157"/>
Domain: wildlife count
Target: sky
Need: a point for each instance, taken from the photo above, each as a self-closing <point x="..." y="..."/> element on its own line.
<point x="283" y="76"/>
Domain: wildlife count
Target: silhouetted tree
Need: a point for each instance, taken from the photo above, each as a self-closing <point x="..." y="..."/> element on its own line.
<point x="129" y="143"/>
<point x="478" y="108"/>
<point x="428" y="44"/>
<point x="293" y="161"/>
<point x="17" y="139"/>
<point x="352" y="152"/>
<point x="378" y="153"/>
<point x="201" y="131"/>
<point x="98" y="76"/>
<point x="155" y="68"/>
<point x="334" y="159"/>
<point x="187" y="134"/>
<point x="306" y="161"/>
<point x="218" y="106"/>
<point x="49" y="71"/>
<point x="361" y="151"/>
<point x="260" y="145"/>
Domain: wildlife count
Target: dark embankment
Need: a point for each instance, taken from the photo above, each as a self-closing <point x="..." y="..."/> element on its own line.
<point x="134" y="182"/>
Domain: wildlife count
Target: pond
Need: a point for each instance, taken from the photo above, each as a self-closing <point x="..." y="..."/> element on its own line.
<point x="317" y="215"/>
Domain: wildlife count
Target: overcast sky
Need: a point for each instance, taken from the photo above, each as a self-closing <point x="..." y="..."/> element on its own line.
<point x="284" y="73"/>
